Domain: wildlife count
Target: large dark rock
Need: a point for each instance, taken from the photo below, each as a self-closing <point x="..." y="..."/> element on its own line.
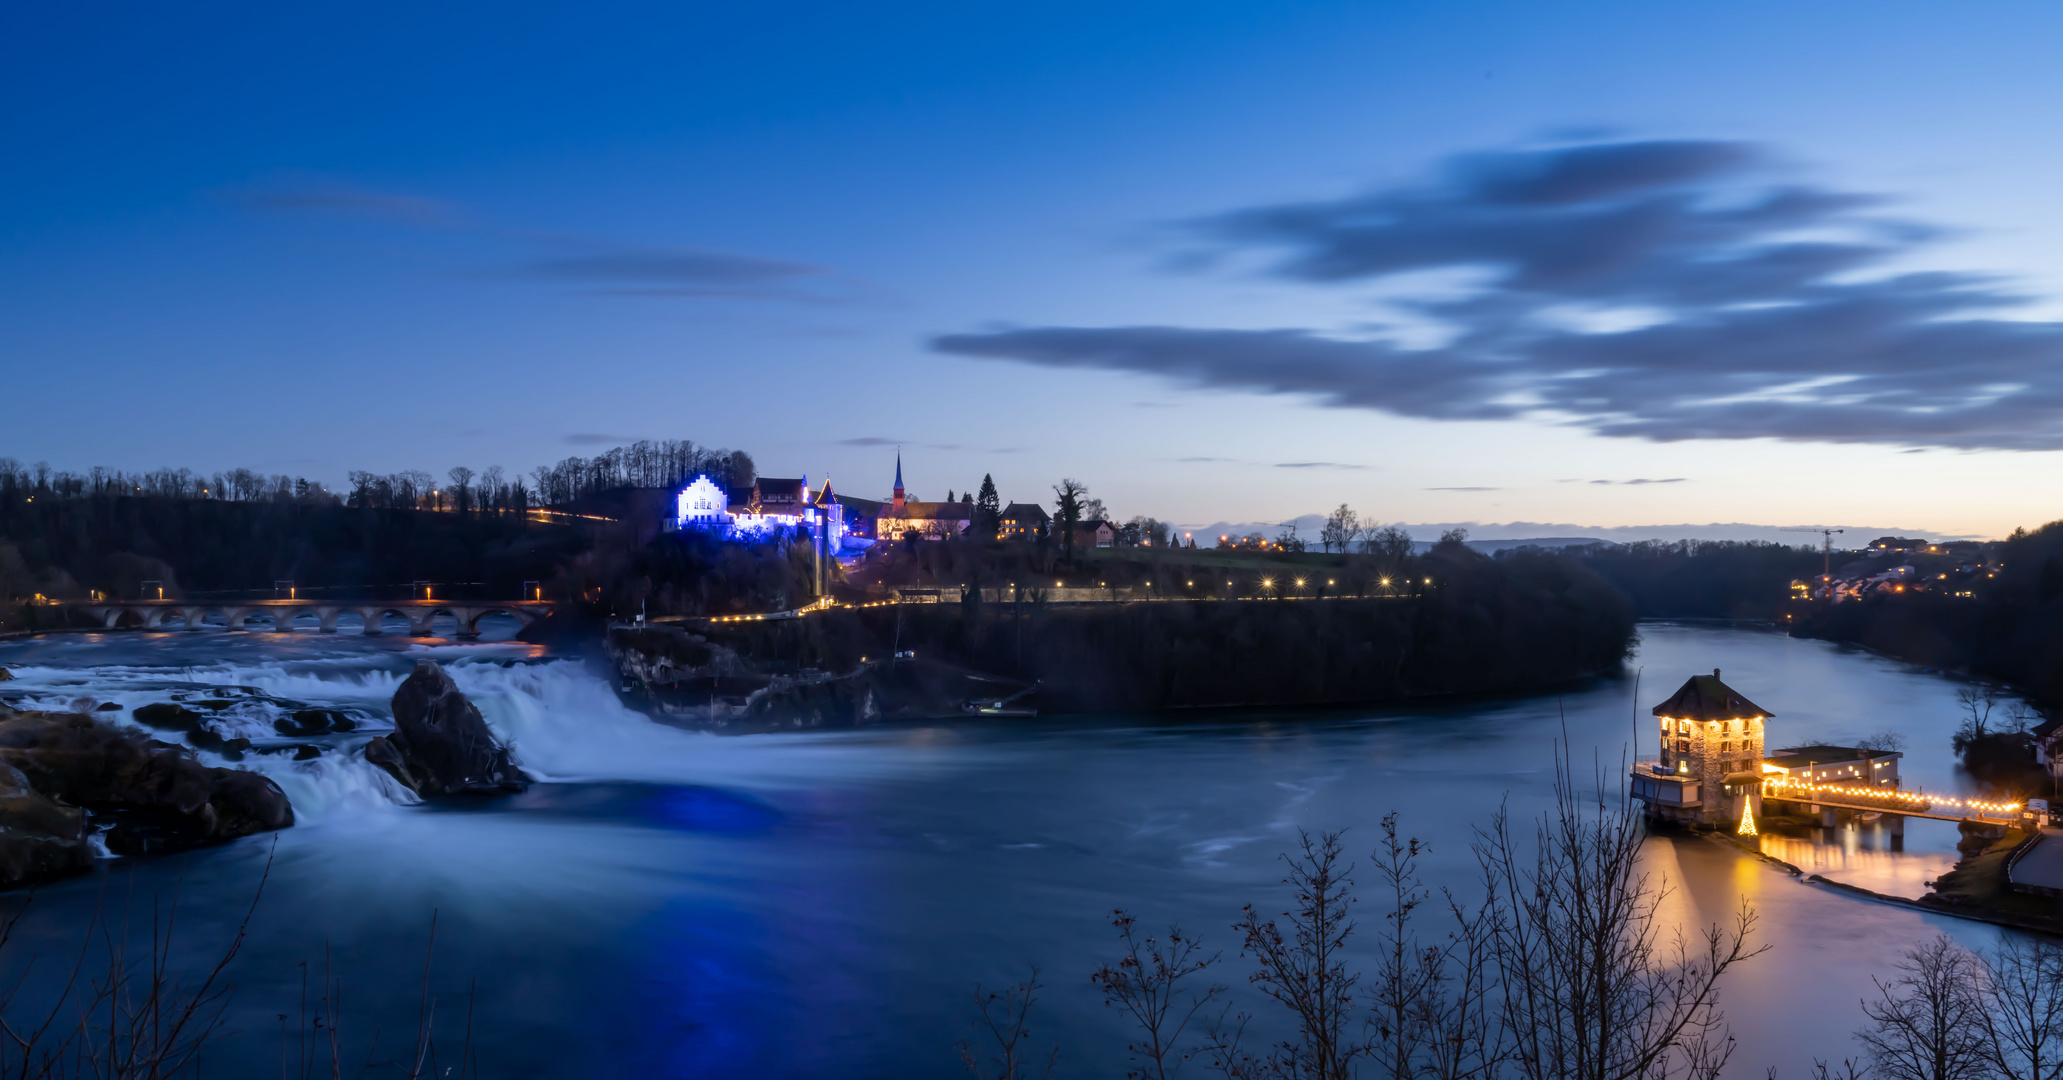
<point x="440" y="745"/>
<point x="157" y="796"/>
<point x="39" y="837"/>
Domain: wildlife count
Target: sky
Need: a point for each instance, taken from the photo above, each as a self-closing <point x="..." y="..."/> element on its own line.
<point x="1586" y="266"/>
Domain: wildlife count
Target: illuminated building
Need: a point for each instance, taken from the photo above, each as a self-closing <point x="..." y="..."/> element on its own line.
<point x="769" y="509"/>
<point x="1709" y="771"/>
<point x="907" y="517"/>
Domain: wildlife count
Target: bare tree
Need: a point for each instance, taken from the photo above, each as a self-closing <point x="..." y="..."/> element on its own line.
<point x="2022" y="1013"/>
<point x="1977" y="703"/>
<point x="1306" y="971"/>
<point x="1433" y="1010"/>
<point x="1390" y="542"/>
<point x="1342" y="528"/>
<point x="1883" y="741"/>
<point x="1004" y="1017"/>
<point x="1929" y="1023"/>
<point x="1590" y="990"/>
<point x="461" y="488"/>
<point x="1148" y="983"/>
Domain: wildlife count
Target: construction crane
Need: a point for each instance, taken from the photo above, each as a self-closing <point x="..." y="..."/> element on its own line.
<point x="1826" y="577"/>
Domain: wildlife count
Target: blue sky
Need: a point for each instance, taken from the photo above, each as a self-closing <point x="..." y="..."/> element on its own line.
<point x="1220" y="261"/>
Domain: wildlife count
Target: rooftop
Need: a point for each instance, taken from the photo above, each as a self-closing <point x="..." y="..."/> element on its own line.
<point x="1704" y="697"/>
<point x="1797" y="757"/>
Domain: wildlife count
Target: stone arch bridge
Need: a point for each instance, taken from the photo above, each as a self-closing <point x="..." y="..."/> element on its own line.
<point x="159" y="614"/>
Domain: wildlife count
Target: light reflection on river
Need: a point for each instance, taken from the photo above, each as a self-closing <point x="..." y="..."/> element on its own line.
<point x="681" y="904"/>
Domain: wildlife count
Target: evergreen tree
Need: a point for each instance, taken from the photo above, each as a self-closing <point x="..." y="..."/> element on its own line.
<point x="988" y="509"/>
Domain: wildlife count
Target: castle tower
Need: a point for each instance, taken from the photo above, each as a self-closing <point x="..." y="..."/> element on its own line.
<point x="1710" y="768"/>
<point x="898" y="501"/>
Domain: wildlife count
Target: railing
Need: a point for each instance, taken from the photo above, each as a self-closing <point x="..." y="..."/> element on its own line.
<point x="1891" y="800"/>
<point x="480" y="591"/>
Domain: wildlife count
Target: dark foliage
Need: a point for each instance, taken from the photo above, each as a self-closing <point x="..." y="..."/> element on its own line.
<point x="1704" y="579"/>
<point x="112" y="544"/>
<point x="1483" y="626"/>
<point x="2010" y="631"/>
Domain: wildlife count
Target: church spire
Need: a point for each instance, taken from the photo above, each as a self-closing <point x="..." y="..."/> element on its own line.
<point x="898" y="480"/>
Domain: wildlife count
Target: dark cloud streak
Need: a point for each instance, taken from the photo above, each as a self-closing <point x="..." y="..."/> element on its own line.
<point x="1750" y="307"/>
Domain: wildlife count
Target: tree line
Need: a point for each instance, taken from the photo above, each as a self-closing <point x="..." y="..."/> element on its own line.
<point x="647" y="463"/>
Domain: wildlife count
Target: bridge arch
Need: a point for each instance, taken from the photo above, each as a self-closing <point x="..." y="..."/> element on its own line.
<point x="127" y="619"/>
<point x="472" y="624"/>
<point x="242" y="618"/>
<point x="374" y="616"/>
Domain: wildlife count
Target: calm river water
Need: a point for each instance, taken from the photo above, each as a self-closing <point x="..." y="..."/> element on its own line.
<point x="668" y="903"/>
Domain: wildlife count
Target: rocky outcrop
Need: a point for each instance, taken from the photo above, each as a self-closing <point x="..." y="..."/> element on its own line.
<point x="154" y="796"/>
<point x="305" y="722"/>
<point x="440" y="745"/>
<point x="166" y="716"/>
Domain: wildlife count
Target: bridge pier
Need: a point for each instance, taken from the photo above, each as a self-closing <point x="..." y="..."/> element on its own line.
<point x="1894" y="824"/>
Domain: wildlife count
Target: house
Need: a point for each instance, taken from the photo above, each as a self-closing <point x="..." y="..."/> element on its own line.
<point x="2048" y="746"/>
<point x="1024" y="521"/>
<point x="1096" y="533"/>
<point x="1820" y="764"/>
<point x="1709" y="771"/>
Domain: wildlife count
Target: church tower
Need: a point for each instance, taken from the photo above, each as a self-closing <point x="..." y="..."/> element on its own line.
<point x="898" y="505"/>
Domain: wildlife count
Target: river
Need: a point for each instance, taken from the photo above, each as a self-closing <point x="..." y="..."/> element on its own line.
<point x="672" y="903"/>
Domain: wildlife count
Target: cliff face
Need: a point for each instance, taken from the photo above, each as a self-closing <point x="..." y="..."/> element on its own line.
<point x="1496" y="629"/>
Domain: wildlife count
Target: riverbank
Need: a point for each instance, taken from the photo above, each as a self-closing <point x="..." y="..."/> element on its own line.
<point x="1975" y="889"/>
<point x="854" y="665"/>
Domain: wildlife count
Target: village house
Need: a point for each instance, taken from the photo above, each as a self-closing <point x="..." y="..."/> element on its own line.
<point x="1097" y="533"/>
<point x="1024" y="521"/>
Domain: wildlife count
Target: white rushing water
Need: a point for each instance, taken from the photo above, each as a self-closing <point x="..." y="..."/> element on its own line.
<point x="563" y="723"/>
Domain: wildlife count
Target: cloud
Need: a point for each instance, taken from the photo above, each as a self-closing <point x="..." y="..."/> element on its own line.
<point x="589" y="438"/>
<point x="1670" y="480"/>
<point x="1202" y="459"/>
<point x="332" y="198"/>
<point x="1662" y="289"/>
<point x="599" y="267"/>
<point x="871" y="440"/>
<point x="1316" y="465"/>
<point x="1463" y="489"/>
<point x="671" y="271"/>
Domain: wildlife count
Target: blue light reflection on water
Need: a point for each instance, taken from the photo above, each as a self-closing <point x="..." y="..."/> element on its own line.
<point x="680" y="904"/>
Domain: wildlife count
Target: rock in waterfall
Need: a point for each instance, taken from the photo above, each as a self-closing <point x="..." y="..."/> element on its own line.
<point x="440" y="745"/>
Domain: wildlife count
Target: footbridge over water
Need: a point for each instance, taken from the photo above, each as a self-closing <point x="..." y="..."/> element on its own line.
<point x="279" y="616"/>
